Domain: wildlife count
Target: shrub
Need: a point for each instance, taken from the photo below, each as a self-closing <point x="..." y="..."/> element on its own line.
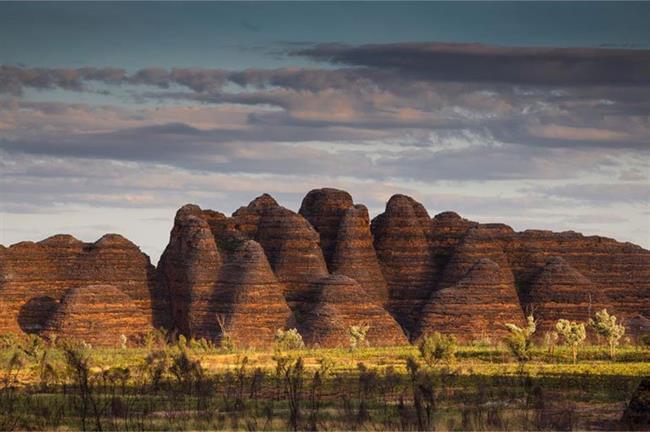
<point x="155" y="367"/>
<point x="605" y="325"/>
<point x="573" y="333"/>
<point x="186" y="370"/>
<point x="520" y="339"/>
<point x="436" y="347"/>
<point x="358" y="336"/>
<point x="288" y="340"/>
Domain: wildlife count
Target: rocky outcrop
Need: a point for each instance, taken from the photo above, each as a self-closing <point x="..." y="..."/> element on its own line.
<point x="35" y="277"/>
<point x="339" y="307"/>
<point x="620" y="272"/>
<point x="354" y="254"/>
<point x="248" y="301"/>
<point x="558" y="291"/>
<point x="401" y="239"/>
<point x="403" y="260"/>
<point x="324" y="209"/>
<point x="100" y="315"/>
<point x="636" y="416"/>
<point x="292" y="248"/>
<point x="478" y="306"/>
<point x="189" y="268"/>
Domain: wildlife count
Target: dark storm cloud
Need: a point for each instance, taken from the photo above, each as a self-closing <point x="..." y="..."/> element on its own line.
<point x="482" y="63"/>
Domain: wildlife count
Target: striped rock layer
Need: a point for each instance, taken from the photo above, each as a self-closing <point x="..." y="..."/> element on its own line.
<point x="338" y="307"/>
<point x="100" y="315"/>
<point x="480" y="304"/>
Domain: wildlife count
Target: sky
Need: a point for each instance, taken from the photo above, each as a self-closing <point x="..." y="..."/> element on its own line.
<point x="113" y="115"/>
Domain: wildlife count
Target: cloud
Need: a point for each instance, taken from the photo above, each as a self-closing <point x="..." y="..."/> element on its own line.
<point x="483" y="63"/>
<point x="608" y="194"/>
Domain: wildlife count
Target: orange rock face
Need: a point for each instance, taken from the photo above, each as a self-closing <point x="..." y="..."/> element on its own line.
<point x="292" y="247"/>
<point x="354" y="254"/>
<point x="35" y="277"/>
<point x="324" y="209"/>
<point x="189" y="268"/>
<point x="479" y="305"/>
<point x="560" y="290"/>
<point x="401" y="239"/>
<point x="338" y="307"/>
<point x="99" y="315"/>
<point x="249" y="299"/>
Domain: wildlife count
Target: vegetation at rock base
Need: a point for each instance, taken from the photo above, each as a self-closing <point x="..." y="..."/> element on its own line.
<point x="573" y="334"/>
<point x="185" y="384"/>
<point x="605" y="325"/>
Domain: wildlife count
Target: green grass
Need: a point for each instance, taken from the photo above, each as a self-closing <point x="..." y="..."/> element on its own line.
<point x="484" y="388"/>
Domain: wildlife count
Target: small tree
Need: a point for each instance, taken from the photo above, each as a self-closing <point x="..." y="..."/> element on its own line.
<point x="605" y="325"/>
<point x="573" y="333"/>
<point x="435" y="347"/>
<point x="520" y="339"/>
<point x="288" y="340"/>
<point x="358" y="336"/>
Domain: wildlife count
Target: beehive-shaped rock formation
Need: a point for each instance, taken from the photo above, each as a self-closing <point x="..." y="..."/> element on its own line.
<point x="478" y="243"/>
<point x="354" y="254"/>
<point x="401" y="240"/>
<point x="189" y="268"/>
<point x="36" y="275"/>
<point x="619" y="271"/>
<point x="99" y="315"/>
<point x="341" y="304"/>
<point x="324" y="209"/>
<point x="478" y="306"/>
<point x="248" y="300"/>
<point x="292" y="248"/>
<point x="246" y="219"/>
<point x="560" y="291"/>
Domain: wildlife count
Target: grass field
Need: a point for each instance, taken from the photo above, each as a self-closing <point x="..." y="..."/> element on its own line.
<point x="168" y="387"/>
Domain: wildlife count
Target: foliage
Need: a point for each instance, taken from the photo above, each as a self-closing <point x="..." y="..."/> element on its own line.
<point x="520" y="339"/>
<point x="605" y="325"/>
<point x="186" y="370"/>
<point x="436" y="347"/>
<point x="358" y="336"/>
<point x="288" y="340"/>
<point x="573" y="333"/>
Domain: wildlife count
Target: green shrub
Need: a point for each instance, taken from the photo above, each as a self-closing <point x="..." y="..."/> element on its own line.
<point x="520" y="339"/>
<point x="436" y="347"/>
<point x="573" y="333"/>
<point x="605" y="325"/>
<point x="358" y="336"/>
<point x="288" y="340"/>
